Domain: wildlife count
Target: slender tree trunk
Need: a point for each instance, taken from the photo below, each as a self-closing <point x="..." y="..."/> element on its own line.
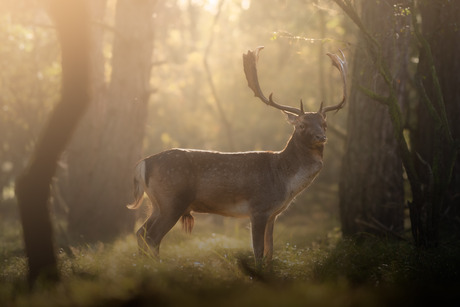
<point x="33" y="186"/>
<point x="102" y="160"/>
<point x="371" y="186"/>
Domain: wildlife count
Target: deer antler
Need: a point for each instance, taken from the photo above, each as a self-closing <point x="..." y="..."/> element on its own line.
<point x="250" y="70"/>
<point x="341" y="64"/>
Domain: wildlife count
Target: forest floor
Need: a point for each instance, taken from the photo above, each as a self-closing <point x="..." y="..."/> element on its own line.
<point x="313" y="266"/>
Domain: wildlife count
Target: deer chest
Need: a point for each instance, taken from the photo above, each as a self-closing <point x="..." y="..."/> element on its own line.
<point x="302" y="178"/>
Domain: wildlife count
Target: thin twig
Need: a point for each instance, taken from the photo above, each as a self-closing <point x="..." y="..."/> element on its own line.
<point x="220" y="109"/>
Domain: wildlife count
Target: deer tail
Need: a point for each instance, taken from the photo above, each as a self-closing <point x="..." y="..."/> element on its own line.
<point x="139" y="182"/>
<point x="187" y="222"/>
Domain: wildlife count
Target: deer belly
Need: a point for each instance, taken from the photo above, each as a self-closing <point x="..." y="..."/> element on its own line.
<point x="239" y="208"/>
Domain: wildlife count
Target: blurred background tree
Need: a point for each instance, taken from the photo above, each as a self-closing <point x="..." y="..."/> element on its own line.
<point x="109" y="142"/>
<point x="33" y="184"/>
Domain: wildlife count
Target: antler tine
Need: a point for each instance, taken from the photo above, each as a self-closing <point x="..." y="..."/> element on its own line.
<point x="250" y="70"/>
<point x="341" y="64"/>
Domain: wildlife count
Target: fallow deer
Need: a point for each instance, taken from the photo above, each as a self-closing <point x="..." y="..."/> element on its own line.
<point x="256" y="184"/>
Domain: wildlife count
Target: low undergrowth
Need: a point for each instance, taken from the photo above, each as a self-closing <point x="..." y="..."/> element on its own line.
<point x="211" y="269"/>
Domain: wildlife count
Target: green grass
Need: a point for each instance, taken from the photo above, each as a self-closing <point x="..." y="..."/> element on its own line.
<point x="312" y="266"/>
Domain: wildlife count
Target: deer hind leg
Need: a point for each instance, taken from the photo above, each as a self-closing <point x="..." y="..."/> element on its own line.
<point x="170" y="212"/>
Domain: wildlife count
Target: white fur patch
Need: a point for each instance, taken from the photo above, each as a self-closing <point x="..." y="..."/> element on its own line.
<point x="140" y="170"/>
<point x="302" y="179"/>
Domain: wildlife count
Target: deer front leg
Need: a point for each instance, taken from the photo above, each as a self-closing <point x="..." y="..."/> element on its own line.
<point x="268" y="240"/>
<point x="258" y="226"/>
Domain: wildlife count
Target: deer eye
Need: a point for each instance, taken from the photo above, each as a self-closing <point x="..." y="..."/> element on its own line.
<point x="302" y="126"/>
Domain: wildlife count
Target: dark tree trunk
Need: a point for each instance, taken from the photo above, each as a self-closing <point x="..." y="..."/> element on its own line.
<point x="371" y="185"/>
<point x="102" y="158"/>
<point x="33" y="186"/>
<point x="441" y="29"/>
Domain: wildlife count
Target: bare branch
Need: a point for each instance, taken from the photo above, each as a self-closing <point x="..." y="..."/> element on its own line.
<point x="225" y="121"/>
<point x="373" y="95"/>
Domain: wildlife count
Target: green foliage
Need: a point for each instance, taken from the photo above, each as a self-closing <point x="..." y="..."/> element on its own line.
<point x="377" y="261"/>
<point x="205" y="269"/>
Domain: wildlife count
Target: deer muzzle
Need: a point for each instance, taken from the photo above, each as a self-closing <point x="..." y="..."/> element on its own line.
<point x="321" y="138"/>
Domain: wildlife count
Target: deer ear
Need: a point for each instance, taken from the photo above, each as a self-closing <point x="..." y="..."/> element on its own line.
<point x="292" y="118"/>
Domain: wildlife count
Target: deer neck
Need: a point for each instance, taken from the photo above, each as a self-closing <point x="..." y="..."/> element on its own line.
<point x="302" y="154"/>
<point x="300" y="164"/>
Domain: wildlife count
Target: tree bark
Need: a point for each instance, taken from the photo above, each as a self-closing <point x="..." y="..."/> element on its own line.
<point x="371" y="185"/>
<point x="101" y="160"/>
<point x="33" y="185"/>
